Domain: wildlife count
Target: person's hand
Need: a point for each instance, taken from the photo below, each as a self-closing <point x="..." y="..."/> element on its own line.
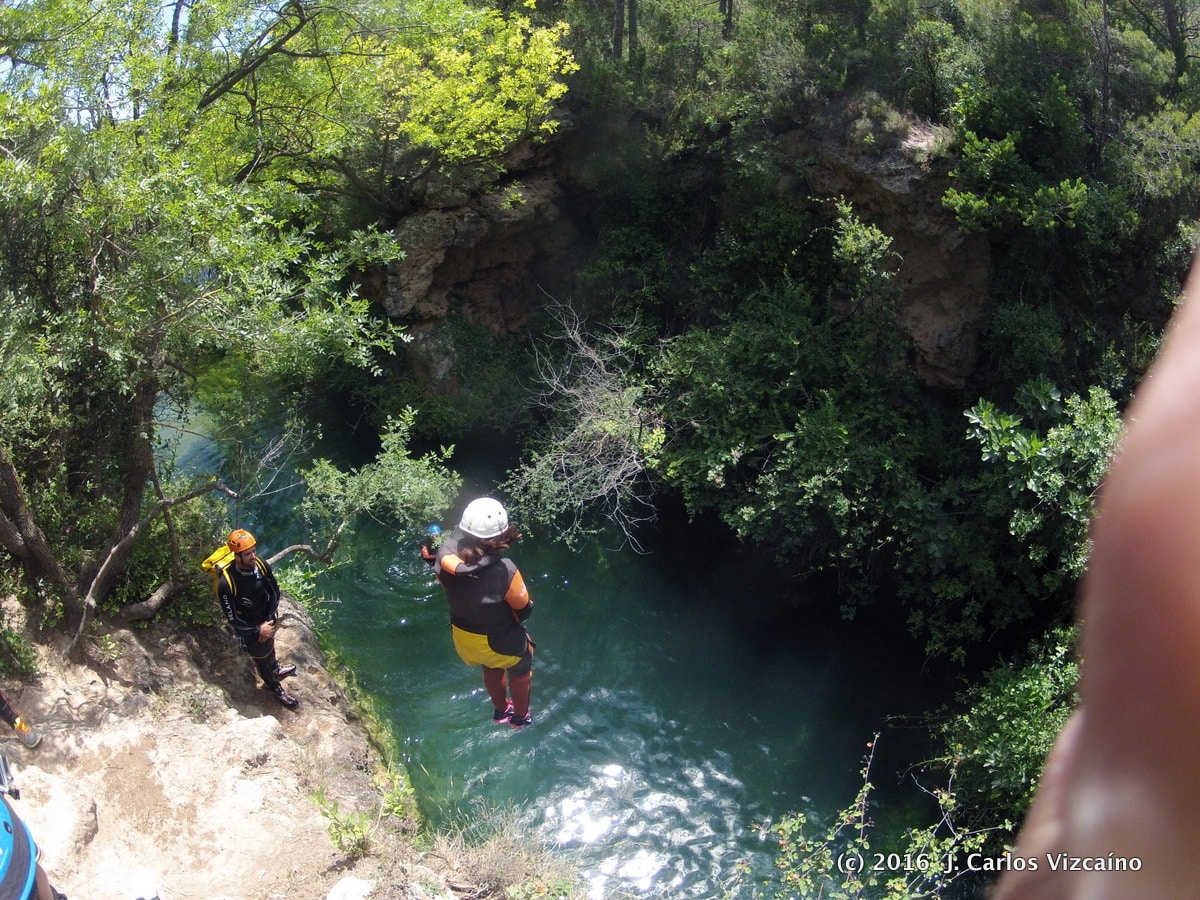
<point x="1122" y="785"/>
<point x="266" y="631"/>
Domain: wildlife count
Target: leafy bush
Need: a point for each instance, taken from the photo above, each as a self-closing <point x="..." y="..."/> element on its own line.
<point x="847" y="859"/>
<point x="1004" y="543"/>
<point x="298" y="579"/>
<point x="792" y="420"/>
<point x="17" y="656"/>
<point x="395" y="485"/>
<point x="351" y="831"/>
<point x="1050" y="478"/>
<point x="997" y="746"/>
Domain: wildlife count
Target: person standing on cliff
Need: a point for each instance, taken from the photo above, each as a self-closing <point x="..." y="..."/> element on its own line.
<point x="249" y="597"/>
<point x="489" y="605"/>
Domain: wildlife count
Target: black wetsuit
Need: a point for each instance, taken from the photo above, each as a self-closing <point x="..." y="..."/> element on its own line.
<point x="253" y="601"/>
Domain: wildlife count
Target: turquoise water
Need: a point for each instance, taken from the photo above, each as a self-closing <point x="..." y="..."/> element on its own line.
<point x="667" y="722"/>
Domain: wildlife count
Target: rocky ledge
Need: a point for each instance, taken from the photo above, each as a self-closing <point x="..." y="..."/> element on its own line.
<point x="165" y="771"/>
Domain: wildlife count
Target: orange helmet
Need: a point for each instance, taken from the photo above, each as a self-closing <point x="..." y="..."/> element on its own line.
<point x="240" y="540"/>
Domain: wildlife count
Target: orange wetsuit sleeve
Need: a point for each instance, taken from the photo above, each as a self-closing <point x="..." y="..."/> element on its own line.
<point x="451" y="562"/>
<point x="517" y="595"/>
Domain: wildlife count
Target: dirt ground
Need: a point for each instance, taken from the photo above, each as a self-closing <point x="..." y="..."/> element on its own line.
<point x="165" y="771"/>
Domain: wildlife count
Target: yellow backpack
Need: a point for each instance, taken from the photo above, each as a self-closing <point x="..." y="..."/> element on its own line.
<point x="217" y="564"/>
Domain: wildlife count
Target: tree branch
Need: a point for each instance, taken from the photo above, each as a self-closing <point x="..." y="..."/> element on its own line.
<point x="144" y="609"/>
<point x="117" y="552"/>
<point x="251" y="64"/>
<point x="307" y="549"/>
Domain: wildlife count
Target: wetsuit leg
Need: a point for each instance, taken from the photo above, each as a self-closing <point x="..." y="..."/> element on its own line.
<point x="7" y="712"/>
<point x="521" y="687"/>
<point x="263" y="655"/>
<point x="520" y="681"/>
<point x="493" y="680"/>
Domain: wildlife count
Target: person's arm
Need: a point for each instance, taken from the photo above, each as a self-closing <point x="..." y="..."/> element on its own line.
<point x="517" y="595"/>
<point x="274" y="593"/>
<point x="1122" y="782"/>
<point x="448" y="560"/>
<point x="453" y="564"/>
<point x="269" y="626"/>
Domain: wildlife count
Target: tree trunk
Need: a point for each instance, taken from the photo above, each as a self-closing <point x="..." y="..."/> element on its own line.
<point x="618" y="29"/>
<point x="21" y="536"/>
<point x="1177" y="36"/>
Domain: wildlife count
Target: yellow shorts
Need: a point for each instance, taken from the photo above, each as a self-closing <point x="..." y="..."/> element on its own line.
<point x="475" y="650"/>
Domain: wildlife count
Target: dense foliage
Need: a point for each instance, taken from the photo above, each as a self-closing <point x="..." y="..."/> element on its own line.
<point x="770" y="339"/>
<point x="768" y="351"/>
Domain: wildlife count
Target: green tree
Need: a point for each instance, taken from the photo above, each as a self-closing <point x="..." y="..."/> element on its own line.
<point x="1159" y="156"/>
<point x="1171" y="25"/>
<point x="786" y="419"/>
<point x="473" y="84"/>
<point x="149" y="223"/>
<point x="358" y="103"/>
<point x="936" y="63"/>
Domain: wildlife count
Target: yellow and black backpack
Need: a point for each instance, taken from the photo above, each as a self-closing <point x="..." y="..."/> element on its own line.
<point x="217" y="564"/>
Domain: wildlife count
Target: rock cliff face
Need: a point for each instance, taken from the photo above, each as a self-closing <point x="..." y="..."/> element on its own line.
<point x="483" y="248"/>
<point x="490" y="254"/>
<point x="943" y="272"/>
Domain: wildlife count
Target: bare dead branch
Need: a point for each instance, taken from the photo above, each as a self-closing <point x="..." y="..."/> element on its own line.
<point x="308" y="550"/>
<point x="593" y="459"/>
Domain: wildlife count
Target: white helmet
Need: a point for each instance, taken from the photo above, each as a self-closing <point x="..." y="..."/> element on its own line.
<point x="484" y="518"/>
